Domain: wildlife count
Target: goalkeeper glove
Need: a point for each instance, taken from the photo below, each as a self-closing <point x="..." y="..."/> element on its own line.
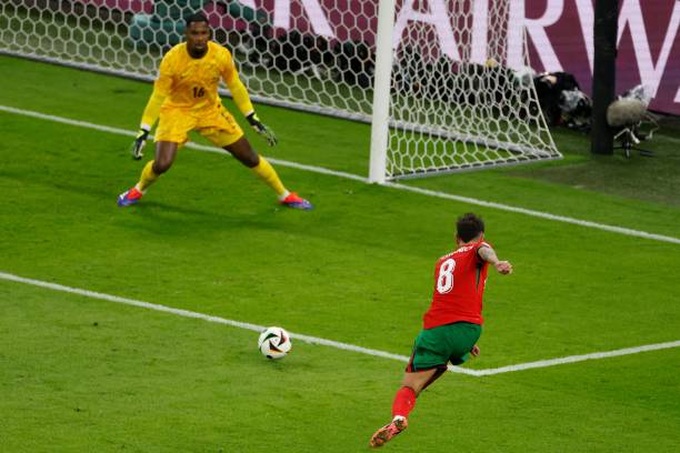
<point x="261" y="129"/>
<point x="138" y="144"/>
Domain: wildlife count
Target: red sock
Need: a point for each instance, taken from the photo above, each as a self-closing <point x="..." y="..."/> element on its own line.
<point x="404" y="401"/>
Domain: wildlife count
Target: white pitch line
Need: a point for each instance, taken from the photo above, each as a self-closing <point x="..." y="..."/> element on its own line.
<point x="62" y="120"/>
<point x="195" y="315"/>
<point x="542" y="215"/>
<point x="331" y="343"/>
<point x="578" y="358"/>
<point x="211" y="149"/>
<point x="325" y="171"/>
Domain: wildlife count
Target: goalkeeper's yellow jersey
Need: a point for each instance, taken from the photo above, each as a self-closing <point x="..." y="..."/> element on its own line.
<point x="191" y="84"/>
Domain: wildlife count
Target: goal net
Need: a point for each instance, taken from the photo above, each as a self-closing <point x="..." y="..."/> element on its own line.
<point x="450" y="86"/>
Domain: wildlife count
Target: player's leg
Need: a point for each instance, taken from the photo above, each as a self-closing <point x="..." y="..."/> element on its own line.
<point x="222" y="130"/>
<point x="433" y="349"/>
<point x="428" y="362"/>
<point x="403" y="404"/>
<point x="165" y="156"/>
<point x="242" y="151"/>
<point x="171" y="133"/>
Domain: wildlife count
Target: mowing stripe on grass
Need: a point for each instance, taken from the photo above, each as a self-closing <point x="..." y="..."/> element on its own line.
<point x="336" y="344"/>
<point x="325" y="171"/>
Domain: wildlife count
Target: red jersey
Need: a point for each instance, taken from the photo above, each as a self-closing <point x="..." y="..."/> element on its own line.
<point x="459" y="280"/>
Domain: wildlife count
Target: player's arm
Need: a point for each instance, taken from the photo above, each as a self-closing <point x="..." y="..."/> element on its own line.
<point x="242" y="100"/>
<point x="152" y="110"/>
<point x="487" y="253"/>
<point x="161" y="89"/>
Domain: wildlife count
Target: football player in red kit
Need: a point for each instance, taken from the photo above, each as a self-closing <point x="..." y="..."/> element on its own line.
<point x="453" y="323"/>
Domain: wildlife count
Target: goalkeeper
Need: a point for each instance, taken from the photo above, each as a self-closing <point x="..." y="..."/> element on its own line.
<point x="185" y="98"/>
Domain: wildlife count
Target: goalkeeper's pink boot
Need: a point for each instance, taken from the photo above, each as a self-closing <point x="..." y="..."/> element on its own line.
<point x="387" y="432"/>
<point x="294" y="201"/>
<point x="130" y="197"/>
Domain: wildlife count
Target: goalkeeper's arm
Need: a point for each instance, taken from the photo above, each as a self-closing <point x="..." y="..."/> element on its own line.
<point x="261" y="129"/>
<point x="140" y="140"/>
<point x="245" y="106"/>
<point x="149" y="117"/>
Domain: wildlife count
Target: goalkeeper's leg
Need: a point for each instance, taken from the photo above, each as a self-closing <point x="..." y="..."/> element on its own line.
<point x="243" y="151"/>
<point x="165" y="156"/>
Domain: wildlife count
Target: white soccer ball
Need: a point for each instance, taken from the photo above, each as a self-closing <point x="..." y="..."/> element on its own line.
<point x="274" y="343"/>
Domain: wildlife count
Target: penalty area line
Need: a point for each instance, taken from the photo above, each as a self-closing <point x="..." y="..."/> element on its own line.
<point x="195" y="315"/>
<point x="397" y="186"/>
<point x="577" y="358"/>
<point x="330" y="343"/>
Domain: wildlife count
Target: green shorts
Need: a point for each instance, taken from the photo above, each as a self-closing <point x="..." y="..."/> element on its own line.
<point x="435" y="347"/>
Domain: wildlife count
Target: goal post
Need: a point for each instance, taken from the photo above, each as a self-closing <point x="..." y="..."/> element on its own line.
<point x="439" y="81"/>
<point x="381" y="93"/>
<point x="455" y="103"/>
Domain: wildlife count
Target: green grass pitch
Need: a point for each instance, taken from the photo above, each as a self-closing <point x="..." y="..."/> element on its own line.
<point x="82" y="373"/>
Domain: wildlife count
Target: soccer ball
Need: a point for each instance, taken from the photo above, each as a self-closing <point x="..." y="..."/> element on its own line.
<point x="274" y="343"/>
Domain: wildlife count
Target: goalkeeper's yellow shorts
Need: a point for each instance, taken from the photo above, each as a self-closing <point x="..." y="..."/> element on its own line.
<point x="215" y="124"/>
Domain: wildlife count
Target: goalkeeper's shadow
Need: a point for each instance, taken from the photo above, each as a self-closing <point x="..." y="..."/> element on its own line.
<point x="167" y="218"/>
